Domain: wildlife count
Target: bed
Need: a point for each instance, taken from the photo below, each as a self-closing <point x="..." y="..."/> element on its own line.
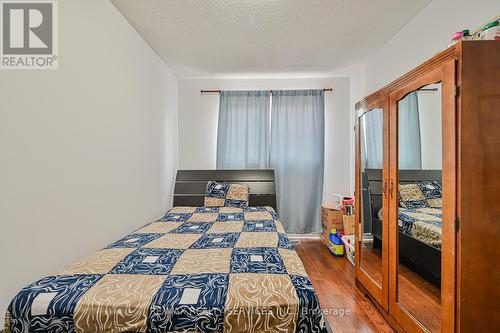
<point x="196" y="269"/>
<point x="419" y="228"/>
<point x="423" y="224"/>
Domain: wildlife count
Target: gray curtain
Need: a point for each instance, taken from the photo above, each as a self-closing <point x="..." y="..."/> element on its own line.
<point x="410" y="147"/>
<point x="243" y="130"/>
<point x="297" y="156"/>
<point x="372" y="124"/>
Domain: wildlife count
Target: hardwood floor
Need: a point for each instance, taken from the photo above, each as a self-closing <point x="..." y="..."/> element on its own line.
<point x="333" y="278"/>
<point x="371" y="261"/>
<point x="420" y="298"/>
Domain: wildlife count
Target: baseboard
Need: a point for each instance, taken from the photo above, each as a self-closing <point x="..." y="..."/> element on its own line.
<point x="304" y="236"/>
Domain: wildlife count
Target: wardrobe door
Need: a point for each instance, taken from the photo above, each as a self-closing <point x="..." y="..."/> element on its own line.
<point x="422" y="202"/>
<point x="372" y="173"/>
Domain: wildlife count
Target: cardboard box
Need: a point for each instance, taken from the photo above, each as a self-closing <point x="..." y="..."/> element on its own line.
<point x="348" y="221"/>
<point x="331" y="219"/>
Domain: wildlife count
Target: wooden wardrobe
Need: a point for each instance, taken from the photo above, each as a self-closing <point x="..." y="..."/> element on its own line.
<point x="428" y="193"/>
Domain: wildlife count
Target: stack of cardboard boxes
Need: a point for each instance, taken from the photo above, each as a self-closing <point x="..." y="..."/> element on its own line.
<point x="333" y="218"/>
<point x="348" y="223"/>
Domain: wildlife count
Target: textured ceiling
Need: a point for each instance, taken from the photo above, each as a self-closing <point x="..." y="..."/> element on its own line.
<point x="266" y="37"/>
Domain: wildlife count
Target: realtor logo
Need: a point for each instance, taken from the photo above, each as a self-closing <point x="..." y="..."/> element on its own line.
<point x="29" y="34"/>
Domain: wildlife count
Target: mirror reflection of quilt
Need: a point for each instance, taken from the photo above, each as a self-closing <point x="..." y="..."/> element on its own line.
<point x="423" y="224"/>
<point x="205" y="269"/>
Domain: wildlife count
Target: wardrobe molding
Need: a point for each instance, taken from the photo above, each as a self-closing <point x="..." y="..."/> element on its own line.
<point x="436" y="61"/>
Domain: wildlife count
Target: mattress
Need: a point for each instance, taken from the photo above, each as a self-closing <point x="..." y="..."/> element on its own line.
<point x="197" y="269"/>
<point x="423" y="224"/>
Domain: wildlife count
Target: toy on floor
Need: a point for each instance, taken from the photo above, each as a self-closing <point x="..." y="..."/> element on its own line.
<point x="336" y="244"/>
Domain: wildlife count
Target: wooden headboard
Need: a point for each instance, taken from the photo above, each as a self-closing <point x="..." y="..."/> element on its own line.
<point x="190" y="185"/>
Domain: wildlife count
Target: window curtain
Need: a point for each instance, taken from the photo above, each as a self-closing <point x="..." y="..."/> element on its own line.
<point x="410" y="150"/>
<point x="297" y="156"/>
<point x="243" y="130"/>
<point x="373" y="139"/>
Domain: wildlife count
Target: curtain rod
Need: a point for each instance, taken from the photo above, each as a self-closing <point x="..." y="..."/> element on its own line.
<point x="219" y="91"/>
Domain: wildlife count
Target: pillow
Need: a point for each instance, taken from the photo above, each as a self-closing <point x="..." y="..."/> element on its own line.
<point x="411" y="196"/>
<point x="225" y="194"/>
<point x="433" y="194"/>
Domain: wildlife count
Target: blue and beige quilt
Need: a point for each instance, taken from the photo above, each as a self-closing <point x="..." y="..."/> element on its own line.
<point x="424" y="224"/>
<point x="197" y="269"/>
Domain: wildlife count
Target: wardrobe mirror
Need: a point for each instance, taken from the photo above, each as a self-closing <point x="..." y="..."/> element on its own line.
<point x="371" y="141"/>
<point x="419" y="205"/>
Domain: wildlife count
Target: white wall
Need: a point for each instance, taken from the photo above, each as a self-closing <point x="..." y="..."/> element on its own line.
<point x="428" y="33"/>
<point x="198" y="123"/>
<point x="88" y="152"/>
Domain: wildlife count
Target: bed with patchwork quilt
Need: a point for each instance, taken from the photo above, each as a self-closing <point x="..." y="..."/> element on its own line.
<point x="424" y="224"/>
<point x="420" y="212"/>
<point x="197" y="269"/>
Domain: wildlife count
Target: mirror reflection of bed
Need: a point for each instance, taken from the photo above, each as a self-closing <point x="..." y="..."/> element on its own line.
<point x="419" y="272"/>
<point x="420" y="204"/>
<point x="419" y="197"/>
